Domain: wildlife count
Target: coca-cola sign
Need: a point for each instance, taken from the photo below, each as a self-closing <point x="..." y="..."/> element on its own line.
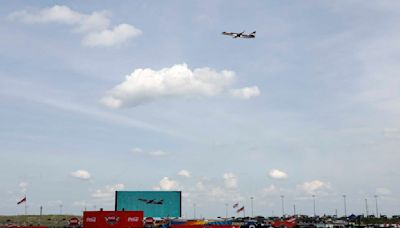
<point x="90" y="219"/>
<point x="133" y="219"/>
<point x="112" y="219"/>
<point x="73" y="221"/>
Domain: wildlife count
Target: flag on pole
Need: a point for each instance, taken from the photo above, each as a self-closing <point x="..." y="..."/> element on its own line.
<point x="240" y="209"/>
<point x="235" y="205"/>
<point x="22" y="201"/>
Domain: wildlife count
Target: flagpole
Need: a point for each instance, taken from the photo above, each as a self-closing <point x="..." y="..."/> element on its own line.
<point x="26" y="209"/>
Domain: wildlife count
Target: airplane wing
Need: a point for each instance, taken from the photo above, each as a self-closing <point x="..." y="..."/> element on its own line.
<point x="144" y="200"/>
<point x="247" y="36"/>
<point x="230" y="33"/>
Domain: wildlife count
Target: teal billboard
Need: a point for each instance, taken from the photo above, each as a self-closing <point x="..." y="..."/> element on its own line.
<point x="153" y="203"/>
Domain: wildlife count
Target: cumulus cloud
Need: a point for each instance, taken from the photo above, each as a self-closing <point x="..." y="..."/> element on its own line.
<point x="184" y="173"/>
<point x="246" y="92"/>
<point x="23" y="186"/>
<point x="107" y="193"/>
<point x="155" y="153"/>
<point x="315" y="187"/>
<point x="95" y="27"/>
<point x="271" y="190"/>
<point x="81" y="174"/>
<point x="383" y="191"/>
<point x="392" y="133"/>
<point x="145" y="85"/>
<point x="167" y="184"/>
<point x="277" y="174"/>
<point x="230" y="180"/>
<point x="213" y="191"/>
<point x="111" y="37"/>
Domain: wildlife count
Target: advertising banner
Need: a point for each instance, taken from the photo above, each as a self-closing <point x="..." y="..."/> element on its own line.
<point x="157" y="204"/>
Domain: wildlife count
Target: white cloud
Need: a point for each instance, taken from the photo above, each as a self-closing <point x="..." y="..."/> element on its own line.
<point x="277" y="174"/>
<point x="271" y="190"/>
<point x="167" y="184"/>
<point x="392" y="133"/>
<point x="81" y="174"/>
<point x="108" y="192"/>
<point x="157" y="153"/>
<point x="137" y="150"/>
<point x="383" y="191"/>
<point x="23" y="186"/>
<point x="184" y="173"/>
<point x="145" y="85"/>
<point x="315" y="187"/>
<point x="64" y="15"/>
<point x="154" y="153"/>
<point x="111" y="37"/>
<point x="230" y="179"/>
<point x="246" y="92"/>
<point x="96" y="26"/>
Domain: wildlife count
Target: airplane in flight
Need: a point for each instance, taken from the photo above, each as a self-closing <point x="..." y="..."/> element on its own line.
<point x="240" y="35"/>
<point x="152" y="201"/>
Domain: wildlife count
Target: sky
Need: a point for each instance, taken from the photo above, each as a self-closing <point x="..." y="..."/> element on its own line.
<point x="149" y="95"/>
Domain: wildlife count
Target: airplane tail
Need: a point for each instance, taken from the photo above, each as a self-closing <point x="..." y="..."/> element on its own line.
<point x="253" y="33"/>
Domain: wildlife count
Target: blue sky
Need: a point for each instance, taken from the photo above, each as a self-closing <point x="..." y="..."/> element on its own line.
<point x="149" y="95"/>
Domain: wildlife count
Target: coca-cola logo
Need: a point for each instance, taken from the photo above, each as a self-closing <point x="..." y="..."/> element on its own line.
<point x="149" y="220"/>
<point x="112" y="219"/>
<point x="133" y="219"/>
<point x="91" y="219"/>
<point x="73" y="221"/>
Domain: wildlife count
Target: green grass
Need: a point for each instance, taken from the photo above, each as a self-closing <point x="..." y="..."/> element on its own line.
<point x="44" y="220"/>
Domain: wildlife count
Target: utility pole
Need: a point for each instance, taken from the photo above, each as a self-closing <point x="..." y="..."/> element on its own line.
<point x="344" y="204"/>
<point x="251" y="199"/>
<point x="376" y="206"/>
<point x="313" y="196"/>
<point x="366" y="207"/>
<point x="283" y="205"/>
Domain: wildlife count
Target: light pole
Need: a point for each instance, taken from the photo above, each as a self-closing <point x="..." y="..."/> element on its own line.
<point x="294" y="209"/>
<point x="61" y="206"/>
<point x="283" y="206"/>
<point x="40" y="215"/>
<point x="251" y="199"/>
<point x="376" y="206"/>
<point x="366" y="207"/>
<point x="345" y="206"/>
<point x="313" y="196"/>
<point x="194" y="210"/>
<point x="226" y="210"/>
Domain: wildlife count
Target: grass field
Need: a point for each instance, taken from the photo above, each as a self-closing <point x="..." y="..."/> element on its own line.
<point x="46" y="220"/>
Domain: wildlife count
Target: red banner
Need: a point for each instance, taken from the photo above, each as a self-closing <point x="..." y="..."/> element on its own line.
<point x="105" y="219"/>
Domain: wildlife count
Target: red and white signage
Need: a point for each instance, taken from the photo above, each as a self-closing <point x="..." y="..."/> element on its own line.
<point x="73" y="221"/>
<point x="103" y="219"/>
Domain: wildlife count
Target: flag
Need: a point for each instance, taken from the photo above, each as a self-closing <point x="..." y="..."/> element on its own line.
<point x="22" y="201"/>
<point x="240" y="209"/>
<point x="235" y="205"/>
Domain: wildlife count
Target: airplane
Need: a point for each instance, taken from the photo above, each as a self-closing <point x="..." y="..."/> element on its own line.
<point x="153" y="201"/>
<point x="240" y="35"/>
